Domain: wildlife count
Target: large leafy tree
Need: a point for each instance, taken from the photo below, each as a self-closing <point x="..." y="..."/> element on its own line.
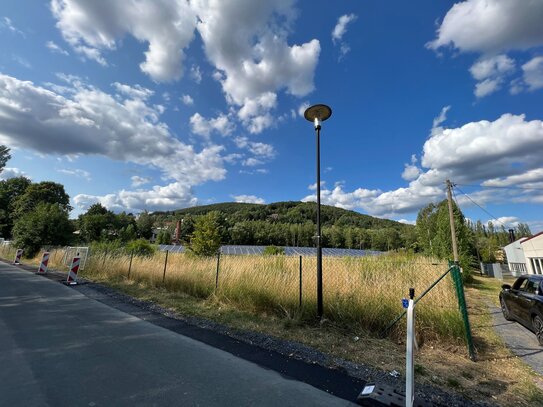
<point x="47" y="224"/>
<point x="206" y="239"/>
<point x="96" y="223"/>
<point x="42" y="192"/>
<point x="10" y="190"/>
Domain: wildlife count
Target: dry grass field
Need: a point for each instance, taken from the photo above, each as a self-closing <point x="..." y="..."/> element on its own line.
<point x="363" y="292"/>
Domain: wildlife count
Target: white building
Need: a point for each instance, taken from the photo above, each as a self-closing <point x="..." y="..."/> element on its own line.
<point x="533" y="251"/>
<point x="515" y="257"/>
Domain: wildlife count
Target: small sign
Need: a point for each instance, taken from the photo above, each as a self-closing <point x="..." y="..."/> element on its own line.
<point x="405" y="303"/>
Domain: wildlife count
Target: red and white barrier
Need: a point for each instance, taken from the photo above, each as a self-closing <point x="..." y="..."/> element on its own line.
<point x="72" y="273"/>
<point x="18" y="256"/>
<point x="43" y="264"/>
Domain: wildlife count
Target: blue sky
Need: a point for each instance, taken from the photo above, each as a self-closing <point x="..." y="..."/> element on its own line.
<point x="165" y="104"/>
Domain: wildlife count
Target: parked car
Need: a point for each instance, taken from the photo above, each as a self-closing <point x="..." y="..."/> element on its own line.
<point x="523" y="302"/>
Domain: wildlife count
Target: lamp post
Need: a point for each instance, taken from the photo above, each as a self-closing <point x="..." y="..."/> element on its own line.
<point x="317" y="114"/>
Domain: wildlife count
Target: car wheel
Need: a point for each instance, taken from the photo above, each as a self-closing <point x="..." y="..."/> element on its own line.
<point x="505" y="311"/>
<point x="537" y="324"/>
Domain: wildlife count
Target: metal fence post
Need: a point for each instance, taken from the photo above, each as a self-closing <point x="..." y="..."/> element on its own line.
<point x="300" y="282"/>
<point x="130" y="264"/>
<point x="457" y="279"/>
<point x="165" y="265"/>
<point x="410" y="352"/>
<point x="217" y="273"/>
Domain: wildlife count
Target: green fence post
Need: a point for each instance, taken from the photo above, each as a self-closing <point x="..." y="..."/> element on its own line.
<point x="459" y="285"/>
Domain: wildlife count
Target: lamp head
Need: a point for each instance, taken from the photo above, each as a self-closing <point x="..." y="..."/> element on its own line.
<point x="317" y="114"/>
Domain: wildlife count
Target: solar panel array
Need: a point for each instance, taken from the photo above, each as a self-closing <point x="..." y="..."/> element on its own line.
<point x="289" y="251"/>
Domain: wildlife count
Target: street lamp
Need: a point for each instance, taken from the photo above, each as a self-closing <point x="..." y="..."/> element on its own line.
<point x="317" y="114"/>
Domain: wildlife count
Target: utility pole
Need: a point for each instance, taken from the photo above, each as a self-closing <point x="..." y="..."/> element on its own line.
<point x="451" y="219"/>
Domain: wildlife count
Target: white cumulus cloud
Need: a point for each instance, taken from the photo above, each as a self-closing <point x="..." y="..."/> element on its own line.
<point x="187" y="100"/>
<point x="246" y="41"/>
<point x="11" y="172"/>
<point x="91" y="122"/>
<point x="138" y="181"/>
<point x="56" y="48"/>
<point x="491" y="28"/>
<point x="91" y="27"/>
<point x="533" y="73"/>
<point x="490" y="72"/>
<point x="205" y="127"/>
<point x="472" y="25"/>
<point x="75" y="172"/>
<point x="339" y="31"/>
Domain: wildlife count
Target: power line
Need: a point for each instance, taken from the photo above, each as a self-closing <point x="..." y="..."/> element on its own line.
<point x="483" y="209"/>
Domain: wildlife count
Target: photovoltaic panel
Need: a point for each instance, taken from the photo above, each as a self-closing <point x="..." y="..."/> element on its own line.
<point x="242" y="250"/>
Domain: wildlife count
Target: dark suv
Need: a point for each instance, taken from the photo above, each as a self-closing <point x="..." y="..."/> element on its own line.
<point x="524" y="303"/>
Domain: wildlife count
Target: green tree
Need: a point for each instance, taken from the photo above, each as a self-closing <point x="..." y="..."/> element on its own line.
<point x="145" y="224"/>
<point x="206" y="239"/>
<point x="42" y="192"/>
<point x="97" y="223"/>
<point x="4" y="156"/>
<point x="10" y="190"/>
<point x="47" y="224"/>
<point x="164" y="237"/>
<point x="127" y="233"/>
<point x="523" y="230"/>
<point x="434" y="234"/>
<point x="187" y="229"/>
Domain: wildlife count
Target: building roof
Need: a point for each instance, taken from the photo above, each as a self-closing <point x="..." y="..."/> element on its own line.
<point x="532" y="237"/>
<point x="516" y="241"/>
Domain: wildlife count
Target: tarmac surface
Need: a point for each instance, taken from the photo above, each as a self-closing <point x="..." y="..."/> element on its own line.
<point x="59" y="347"/>
<point x="519" y="339"/>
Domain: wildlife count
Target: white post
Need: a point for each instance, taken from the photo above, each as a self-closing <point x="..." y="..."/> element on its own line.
<point x="409" y="359"/>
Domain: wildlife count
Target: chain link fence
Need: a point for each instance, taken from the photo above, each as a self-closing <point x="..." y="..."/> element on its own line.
<point x="358" y="292"/>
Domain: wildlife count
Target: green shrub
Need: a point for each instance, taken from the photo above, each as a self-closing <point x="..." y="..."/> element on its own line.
<point x="141" y="247"/>
<point x="273" y="251"/>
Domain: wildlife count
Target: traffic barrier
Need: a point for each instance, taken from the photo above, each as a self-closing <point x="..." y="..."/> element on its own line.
<point x="18" y="256"/>
<point x="43" y="265"/>
<point x="72" y="273"/>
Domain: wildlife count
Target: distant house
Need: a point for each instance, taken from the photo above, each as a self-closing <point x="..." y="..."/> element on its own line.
<point x="533" y="251"/>
<point x="515" y="257"/>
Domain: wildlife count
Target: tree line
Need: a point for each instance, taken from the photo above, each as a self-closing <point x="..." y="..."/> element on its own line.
<point x="477" y="242"/>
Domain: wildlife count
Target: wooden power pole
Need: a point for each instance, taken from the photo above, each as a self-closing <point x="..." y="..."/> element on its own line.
<point x="451" y="219"/>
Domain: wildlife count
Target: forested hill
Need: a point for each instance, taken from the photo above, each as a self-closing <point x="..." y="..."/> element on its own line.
<point x="292" y="223"/>
<point x="292" y="212"/>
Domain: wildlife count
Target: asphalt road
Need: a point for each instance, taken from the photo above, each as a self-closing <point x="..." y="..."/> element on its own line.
<point x="520" y="340"/>
<point x="59" y="347"/>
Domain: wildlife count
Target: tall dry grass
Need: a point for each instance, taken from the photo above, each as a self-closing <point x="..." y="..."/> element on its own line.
<point x="360" y="293"/>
